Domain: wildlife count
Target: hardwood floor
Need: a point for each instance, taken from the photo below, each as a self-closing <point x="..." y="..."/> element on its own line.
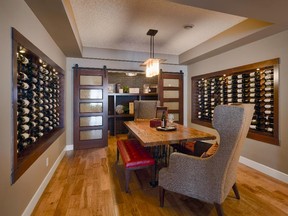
<point x="88" y="182"/>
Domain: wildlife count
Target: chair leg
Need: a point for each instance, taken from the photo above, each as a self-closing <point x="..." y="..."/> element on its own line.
<point x="127" y="179"/>
<point x="219" y="209"/>
<point x="161" y="195"/>
<point x="236" y="192"/>
<point x="117" y="158"/>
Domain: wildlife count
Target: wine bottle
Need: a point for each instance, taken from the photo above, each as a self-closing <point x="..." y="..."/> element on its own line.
<point x="24" y="128"/>
<point x="34" y="80"/>
<point x="24" y="85"/>
<point x="268" y="106"/>
<point x="33" y="116"/>
<point x="163" y="120"/>
<point x="33" y="86"/>
<point x="241" y="95"/>
<point x="269" y="118"/>
<point x="33" y="124"/>
<point x="41" y="128"/>
<point x="269" y="124"/>
<point x="23" y="111"/>
<point x="23" y="119"/>
<point x="40" y="114"/>
<point x="268" y="71"/>
<point x="22" y="76"/>
<point x="268" y="112"/>
<point x="269" y="95"/>
<point x="269" y="129"/>
<point x="41" y="82"/>
<point x="268" y="100"/>
<point x="269" y="77"/>
<point x="23" y="59"/>
<point x="24" y="136"/>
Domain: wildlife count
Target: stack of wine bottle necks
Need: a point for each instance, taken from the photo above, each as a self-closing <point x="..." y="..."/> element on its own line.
<point x="38" y="101"/>
<point x="250" y="87"/>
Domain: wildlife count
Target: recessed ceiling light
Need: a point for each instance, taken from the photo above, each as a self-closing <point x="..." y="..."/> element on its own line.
<point x="131" y="74"/>
<point x="188" y="27"/>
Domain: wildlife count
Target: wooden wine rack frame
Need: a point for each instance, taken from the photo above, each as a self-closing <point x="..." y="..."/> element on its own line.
<point x="235" y="85"/>
<point x="25" y="158"/>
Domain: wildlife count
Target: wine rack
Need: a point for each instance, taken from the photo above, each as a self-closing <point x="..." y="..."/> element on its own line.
<point x="256" y="83"/>
<point x="38" y="103"/>
<point x="38" y="100"/>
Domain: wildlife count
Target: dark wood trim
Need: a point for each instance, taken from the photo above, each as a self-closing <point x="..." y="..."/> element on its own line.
<point x="161" y="89"/>
<point x="25" y="160"/>
<point x="83" y="144"/>
<point x="22" y="161"/>
<point x="257" y="135"/>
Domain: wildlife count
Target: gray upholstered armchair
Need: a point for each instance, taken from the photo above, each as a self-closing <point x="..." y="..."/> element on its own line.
<point x="211" y="179"/>
<point x="145" y="109"/>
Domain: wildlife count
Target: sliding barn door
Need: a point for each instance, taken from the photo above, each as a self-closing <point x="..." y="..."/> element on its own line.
<point x="170" y="87"/>
<point x="90" y="108"/>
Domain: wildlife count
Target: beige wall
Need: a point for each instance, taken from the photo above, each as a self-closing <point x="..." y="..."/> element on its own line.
<point x="15" y="198"/>
<point x="272" y="47"/>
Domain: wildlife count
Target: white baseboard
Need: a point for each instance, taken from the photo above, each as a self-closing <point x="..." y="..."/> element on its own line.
<point x="265" y="169"/>
<point x="69" y="147"/>
<point x="30" y="207"/>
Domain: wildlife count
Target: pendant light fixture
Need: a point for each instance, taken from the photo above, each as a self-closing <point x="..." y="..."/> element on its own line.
<point x="152" y="64"/>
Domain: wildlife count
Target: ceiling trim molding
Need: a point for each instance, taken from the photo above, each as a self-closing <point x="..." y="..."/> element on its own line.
<point x="58" y="25"/>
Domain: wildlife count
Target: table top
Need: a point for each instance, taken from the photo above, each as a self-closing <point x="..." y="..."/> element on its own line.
<point x="151" y="136"/>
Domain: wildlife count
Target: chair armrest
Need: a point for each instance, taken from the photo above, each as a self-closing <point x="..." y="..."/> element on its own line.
<point x="188" y="175"/>
<point x="191" y="169"/>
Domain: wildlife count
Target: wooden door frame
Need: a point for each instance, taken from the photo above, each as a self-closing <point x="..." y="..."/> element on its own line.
<point x="76" y="110"/>
<point x="161" y="88"/>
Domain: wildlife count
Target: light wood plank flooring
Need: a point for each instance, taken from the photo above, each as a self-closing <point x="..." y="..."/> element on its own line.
<point x="88" y="182"/>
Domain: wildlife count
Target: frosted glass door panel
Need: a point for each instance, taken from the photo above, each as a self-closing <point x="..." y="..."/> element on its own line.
<point x="171" y="82"/>
<point x="171" y="94"/>
<point x="171" y="105"/>
<point x="91" y="134"/>
<point x="91" y="94"/>
<point x="91" y="80"/>
<point x="91" y="107"/>
<point x="176" y="116"/>
<point x="91" y="121"/>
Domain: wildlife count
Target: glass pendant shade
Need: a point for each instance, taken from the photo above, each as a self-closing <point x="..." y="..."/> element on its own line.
<point x="152" y="67"/>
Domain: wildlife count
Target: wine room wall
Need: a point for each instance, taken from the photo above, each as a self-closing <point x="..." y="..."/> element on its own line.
<point x="19" y="198"/>
<point x="265" y="156"/>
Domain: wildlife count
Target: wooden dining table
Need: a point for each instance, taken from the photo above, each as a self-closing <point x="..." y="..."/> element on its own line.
<point x="160" y="140"/>
<point x="150" y="136"/>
